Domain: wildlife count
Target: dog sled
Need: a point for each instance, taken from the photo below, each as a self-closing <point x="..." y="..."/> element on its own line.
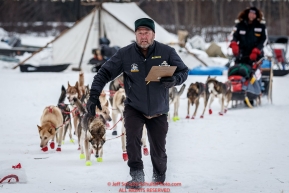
<point x="249" y="84"/>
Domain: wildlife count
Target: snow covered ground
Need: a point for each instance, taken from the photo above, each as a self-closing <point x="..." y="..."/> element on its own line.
<point x="246" y="150"/>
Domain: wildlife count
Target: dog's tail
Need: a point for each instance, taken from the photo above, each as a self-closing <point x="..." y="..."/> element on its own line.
<point x="85" y="95"/>
<point x="62" y="95"/>
<point x="87" y="90"/>
<point x="182" y="90"/>
<point x="81" y="80"/>
<point x="79" y="106"/>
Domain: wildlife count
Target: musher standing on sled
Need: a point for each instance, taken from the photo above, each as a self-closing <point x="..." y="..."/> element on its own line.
<point x="249" y="39"/>
<point x="249" y="36"/>
<point x="146" y="102"/>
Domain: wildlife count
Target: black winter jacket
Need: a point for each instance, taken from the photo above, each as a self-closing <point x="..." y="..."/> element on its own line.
<point x="150" y="99"/>
<point x="249" y="36"/>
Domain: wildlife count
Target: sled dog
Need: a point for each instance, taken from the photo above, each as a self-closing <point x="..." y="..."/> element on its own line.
<point x="67" y="125"/>
<point x="50" y="127"/>
<point x="114" y="85"/>
<point x="117" y="109"/>
<point x="174" y="97"/>
<point x="91" y="131"/>
<point x="195" y="92"/>
<point x="76" y="91"/>
<point x="220" y="90"/>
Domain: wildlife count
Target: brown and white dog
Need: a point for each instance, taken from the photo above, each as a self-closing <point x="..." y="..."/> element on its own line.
<point x="220" y="90"/>
<point x="86" y="94"/>
<point x="77" y="91"/>
<point x="51" y="122"/>
<point x="195" y="92"/>
<point x="91" y="131"/>
<point x="174" y="97"/>
<point x="65" y="110"/>
<point x="104" y="102"/>
<point x="117" y="109"/>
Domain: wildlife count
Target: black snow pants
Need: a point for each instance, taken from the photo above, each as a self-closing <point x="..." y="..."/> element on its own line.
<point x="157" y="129"/>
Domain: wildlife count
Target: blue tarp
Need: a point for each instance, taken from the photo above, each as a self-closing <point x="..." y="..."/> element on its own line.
<point x="210" y="70"/>
<point x="265" y="64"/>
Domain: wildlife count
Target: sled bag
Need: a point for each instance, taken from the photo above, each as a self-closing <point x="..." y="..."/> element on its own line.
<point x="236" y="82"/>
<point x="243" y="70"/>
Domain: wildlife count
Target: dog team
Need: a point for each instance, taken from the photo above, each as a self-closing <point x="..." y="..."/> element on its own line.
<point x="90" y="131"/>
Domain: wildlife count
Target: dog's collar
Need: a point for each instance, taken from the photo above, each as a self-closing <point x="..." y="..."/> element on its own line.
<point x="121" y="83"/>
<point x="50" y="109"/>
<point x="61" y="104"/>
<point x="56" y="128"/>
<point x="65" y="112"/>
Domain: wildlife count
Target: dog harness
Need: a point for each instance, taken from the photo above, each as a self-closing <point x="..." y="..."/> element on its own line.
<point x="50" y="109"/>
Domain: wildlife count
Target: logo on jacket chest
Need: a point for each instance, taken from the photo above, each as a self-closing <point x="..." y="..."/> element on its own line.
<point x="164" y="63"/>
<point x="134" y="68"/>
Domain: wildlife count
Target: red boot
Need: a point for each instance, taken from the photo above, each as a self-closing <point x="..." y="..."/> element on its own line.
<point x="210" y="111"/>
<point x="145" y="151"/>
<point x="45" y="149"/>
<point x="18" y="166"/>
<point x="52" y="145"/>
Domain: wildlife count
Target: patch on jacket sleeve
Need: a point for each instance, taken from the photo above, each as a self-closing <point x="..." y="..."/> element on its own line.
<point x="134" y="68"/>
<point x="258" y="29"/>
<point x="242" y="32"/>
<point x="154" y="57"/>
<point x="258" y="35"/>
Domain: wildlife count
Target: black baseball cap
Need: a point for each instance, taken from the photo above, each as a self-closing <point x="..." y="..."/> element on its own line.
<point x="145" y="22"/>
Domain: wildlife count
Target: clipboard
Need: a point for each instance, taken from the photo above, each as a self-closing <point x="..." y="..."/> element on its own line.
<point x="157" y="72"/>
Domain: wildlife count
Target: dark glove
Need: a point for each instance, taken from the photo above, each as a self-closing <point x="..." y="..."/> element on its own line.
<point x="235" y="48"/>
<point x="254" y="54"/>
<point x="168" y="82"/>
<point x="92" y="102"/>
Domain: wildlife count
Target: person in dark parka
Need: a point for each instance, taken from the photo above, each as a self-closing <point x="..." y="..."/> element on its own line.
<point x="249" y="36"/>
<point x="146" y="102"/>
